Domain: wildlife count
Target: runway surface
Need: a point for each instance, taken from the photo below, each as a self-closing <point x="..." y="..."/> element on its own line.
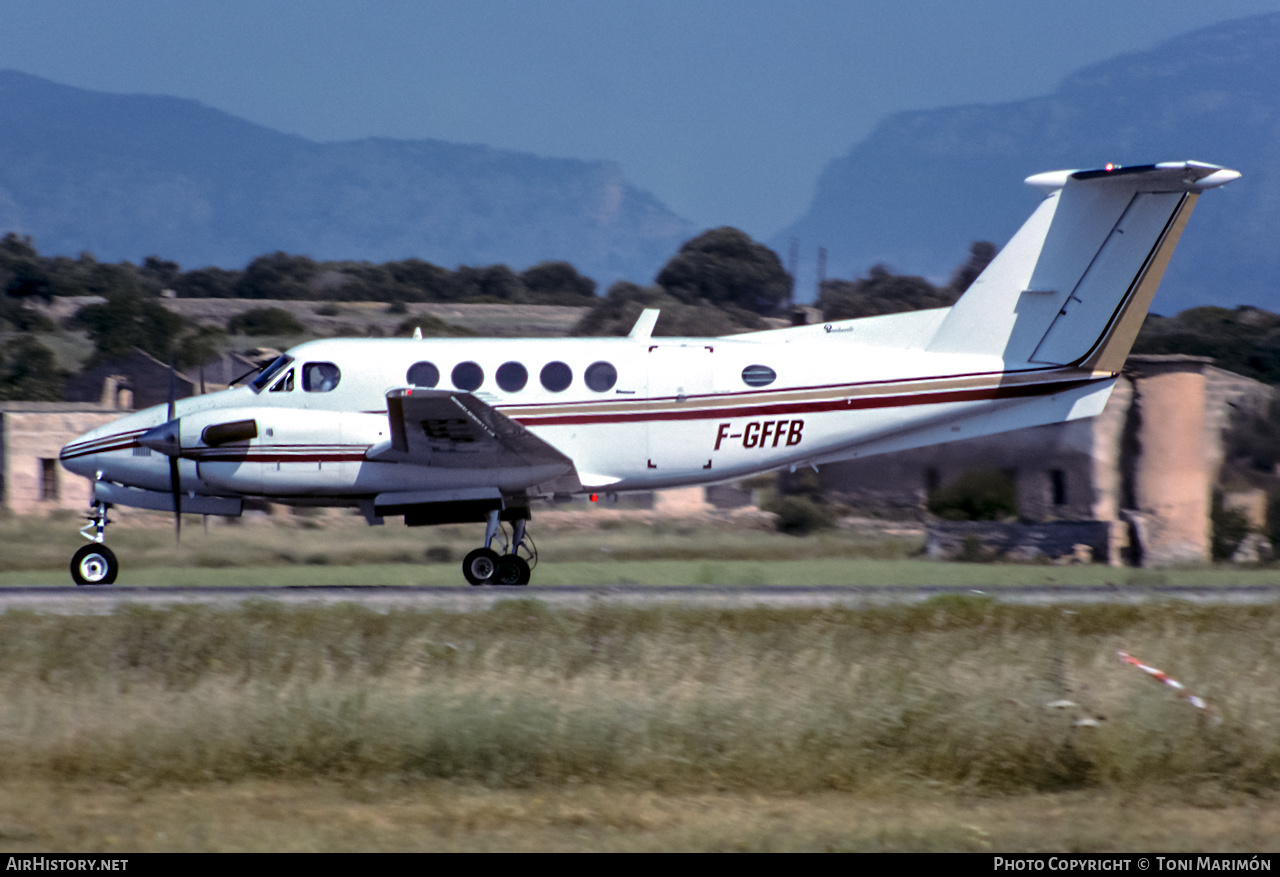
<point x="104" y="600"/>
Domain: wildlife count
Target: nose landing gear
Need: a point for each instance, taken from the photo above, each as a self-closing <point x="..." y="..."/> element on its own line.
<point x="95" y="563"/>
<point x="484" y="566"/>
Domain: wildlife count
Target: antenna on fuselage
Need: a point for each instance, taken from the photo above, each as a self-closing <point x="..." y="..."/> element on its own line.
<point x="643" y="329"/>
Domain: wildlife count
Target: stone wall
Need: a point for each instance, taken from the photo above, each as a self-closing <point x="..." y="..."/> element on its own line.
<point x="1150" y="459"/>
<point x="31" y="436"/>
<point x="1073" y="541"/>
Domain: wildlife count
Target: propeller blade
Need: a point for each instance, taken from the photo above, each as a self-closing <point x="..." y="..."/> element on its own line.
<point x="173" y="388"/>
<point x="175" y="478"/>
<point x="175" y="481"/>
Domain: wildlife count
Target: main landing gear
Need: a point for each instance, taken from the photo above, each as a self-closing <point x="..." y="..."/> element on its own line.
<point x="484" y="566"/>
<point x="95" y="563"/>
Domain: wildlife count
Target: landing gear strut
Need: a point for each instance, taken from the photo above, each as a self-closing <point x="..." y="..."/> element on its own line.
<point x="95" y="563"/>
<point x="484" y="566"/>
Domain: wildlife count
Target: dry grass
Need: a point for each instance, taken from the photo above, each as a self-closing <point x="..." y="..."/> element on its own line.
<point x="309" y="816"/>
<point x="953" y="692"/>
<point x="523" y="727"/>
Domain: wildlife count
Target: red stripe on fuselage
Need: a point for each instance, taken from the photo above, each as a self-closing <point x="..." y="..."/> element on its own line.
<point x="849" y="403"/>
<point x="310" y="453"/>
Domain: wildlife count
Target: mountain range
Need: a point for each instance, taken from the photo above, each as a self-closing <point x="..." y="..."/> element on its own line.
<point x="126" y="176"/>
<point x="923" y="185"/>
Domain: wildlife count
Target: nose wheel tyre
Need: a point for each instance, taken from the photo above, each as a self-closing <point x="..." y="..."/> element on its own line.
<point x="479" y="566"/>
<point x="94" y="565"/>
<point x="512" y="570"/>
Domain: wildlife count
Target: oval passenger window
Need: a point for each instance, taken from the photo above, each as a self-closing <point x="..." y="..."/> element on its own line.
<point x="556" y="376"/>
<point x="467" y="376"/>
<point x="320" y="377"/>
<point x="512" y="376"/>
<point x="601" y="376"/>
<point x="423" y="374"/>
<point x="758" y="376"/>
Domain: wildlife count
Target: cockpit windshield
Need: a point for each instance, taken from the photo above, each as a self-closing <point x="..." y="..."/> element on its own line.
<point x="264" y="377"/>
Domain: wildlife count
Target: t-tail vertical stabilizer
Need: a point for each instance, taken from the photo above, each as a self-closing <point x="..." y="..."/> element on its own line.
<point x="1074" y="284"/>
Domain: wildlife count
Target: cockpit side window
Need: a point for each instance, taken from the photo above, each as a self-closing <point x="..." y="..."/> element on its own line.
<point x="285" y="384"/>
<point x="320" y="377"/>
<point x="267" y="374"/>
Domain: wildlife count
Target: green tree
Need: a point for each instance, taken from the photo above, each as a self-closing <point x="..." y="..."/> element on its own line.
<point x="265" y="321"/>
<point x="492" y="283"/>
<point x="21" y="271"/>
<point x="207" y="283"/>
<point x="880" y="292"/>
<point x="29" y="372"/>
<point x="130" y="320"/>
<point x="278" y="275"/>
<point x="199" y="345"/>
<point x="616" y="314"/>
<point x="15" y="315"/>
<point x="557" y="283"/>
<point x="422" y="281"/>
<point x="163" y="272"/>
<point x="724" y="266"/>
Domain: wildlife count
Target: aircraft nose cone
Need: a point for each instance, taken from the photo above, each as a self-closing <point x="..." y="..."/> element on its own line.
<point x="81" y="455"/>
<point x="95" y="450"/>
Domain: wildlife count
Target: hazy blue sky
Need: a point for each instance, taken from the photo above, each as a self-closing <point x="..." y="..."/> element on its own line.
<point x="726" y="110"/>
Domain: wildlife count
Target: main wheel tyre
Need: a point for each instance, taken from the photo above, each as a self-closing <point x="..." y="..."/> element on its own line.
<point x="512" y="570"/>
<point x="479" y="566"/>
<point x="94" y="565"/>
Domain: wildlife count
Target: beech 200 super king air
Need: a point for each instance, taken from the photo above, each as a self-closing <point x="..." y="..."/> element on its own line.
<point x="452" y="430"/>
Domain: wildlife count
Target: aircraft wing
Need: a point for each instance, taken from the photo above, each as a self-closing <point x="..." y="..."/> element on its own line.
<point x="450" y="429"/>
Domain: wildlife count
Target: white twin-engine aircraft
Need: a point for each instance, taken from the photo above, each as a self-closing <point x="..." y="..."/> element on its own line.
<point x="444" y="431"/>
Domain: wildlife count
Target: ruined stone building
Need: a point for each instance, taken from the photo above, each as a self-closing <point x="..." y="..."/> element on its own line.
<point x="139" y="380"/>
<point x="33" y="433"/>
<point x="1146" y="466"/>
<point x="31" y="436"/>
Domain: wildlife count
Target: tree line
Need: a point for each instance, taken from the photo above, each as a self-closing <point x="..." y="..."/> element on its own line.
<point x="718" y="283"/>
<point x="24" y="272"/>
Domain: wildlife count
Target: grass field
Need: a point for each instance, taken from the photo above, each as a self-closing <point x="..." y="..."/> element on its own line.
<point x="940" y="726"/>
<point x="958" y="724"/>
<point x="341" y="550"/>
<point x="321" y="816"/>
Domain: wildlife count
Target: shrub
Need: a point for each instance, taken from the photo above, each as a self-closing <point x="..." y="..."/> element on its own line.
<point x="1230" y="526"/>
<point x="800" y="515"/>
<point x="265" y="321"/>
<point x="978" y="495"/>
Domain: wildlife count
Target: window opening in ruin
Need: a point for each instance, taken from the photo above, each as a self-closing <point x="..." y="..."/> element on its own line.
<point x="1058" y="479"/>
<point x="48" y="478"/>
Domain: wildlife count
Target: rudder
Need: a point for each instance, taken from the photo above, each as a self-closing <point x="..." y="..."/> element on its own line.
<point x="1074" y="284"/>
